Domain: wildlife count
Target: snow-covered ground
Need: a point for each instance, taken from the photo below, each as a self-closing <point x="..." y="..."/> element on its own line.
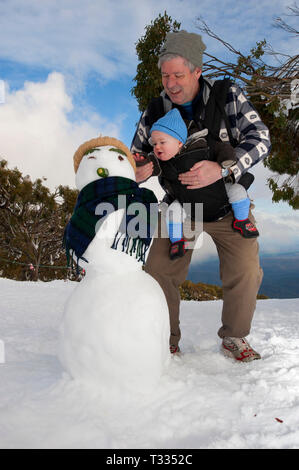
<point x="204" y="400"/>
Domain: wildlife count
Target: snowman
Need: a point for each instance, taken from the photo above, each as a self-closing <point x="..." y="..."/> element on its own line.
<point x="115" y="327"/>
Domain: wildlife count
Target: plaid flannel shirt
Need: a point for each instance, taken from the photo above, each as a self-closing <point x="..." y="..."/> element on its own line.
<point x="246" y="126"/>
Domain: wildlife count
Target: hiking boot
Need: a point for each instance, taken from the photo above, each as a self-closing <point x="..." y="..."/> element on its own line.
<point x="246" y="228"/>
<point x="174" y="349"/>
<point x="177" y="249"/>
<point x="239" y="349"/>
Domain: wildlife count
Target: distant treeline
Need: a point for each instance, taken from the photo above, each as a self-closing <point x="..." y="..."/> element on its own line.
<point x="200" y="291"/>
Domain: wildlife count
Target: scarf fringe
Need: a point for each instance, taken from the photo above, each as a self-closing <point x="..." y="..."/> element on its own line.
<point x="131" y="245"/>
<point x="70" y="254"/>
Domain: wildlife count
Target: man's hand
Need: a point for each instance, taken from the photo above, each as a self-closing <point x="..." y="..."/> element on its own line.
<point x="201" y="174"/>
<point x="145" y="171"/>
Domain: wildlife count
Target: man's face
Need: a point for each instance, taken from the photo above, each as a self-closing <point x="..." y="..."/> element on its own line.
<point x="179" y="83"/>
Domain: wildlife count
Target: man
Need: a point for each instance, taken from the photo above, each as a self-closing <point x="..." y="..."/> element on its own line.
<point x="185" y="88"/>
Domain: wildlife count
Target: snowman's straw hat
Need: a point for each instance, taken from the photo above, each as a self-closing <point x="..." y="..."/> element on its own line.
<point x="101" y="142"/>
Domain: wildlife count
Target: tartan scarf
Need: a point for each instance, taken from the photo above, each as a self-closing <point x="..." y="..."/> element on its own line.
<point x="81" y="229"/>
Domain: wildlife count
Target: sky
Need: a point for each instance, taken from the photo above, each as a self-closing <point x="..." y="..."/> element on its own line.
<point x="67" y="68"/>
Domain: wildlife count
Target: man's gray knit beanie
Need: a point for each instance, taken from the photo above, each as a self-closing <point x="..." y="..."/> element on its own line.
<point x="187" y="45"/>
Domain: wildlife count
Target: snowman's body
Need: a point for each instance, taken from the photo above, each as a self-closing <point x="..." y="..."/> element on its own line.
<point x="115" y="329"/>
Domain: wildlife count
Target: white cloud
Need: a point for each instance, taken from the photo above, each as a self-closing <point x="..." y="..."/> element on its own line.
<point x="77" y="37"/>
<point x="37" y="136"/>
<point x="279" y="233"/>
<point x="72" y="36"/>
<point x="67" y="35"/>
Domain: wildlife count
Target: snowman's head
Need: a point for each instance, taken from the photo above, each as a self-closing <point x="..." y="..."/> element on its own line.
<point x="101" y="158"/>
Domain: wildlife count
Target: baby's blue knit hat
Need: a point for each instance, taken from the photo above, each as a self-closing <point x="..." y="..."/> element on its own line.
<point x="172" y="124"/>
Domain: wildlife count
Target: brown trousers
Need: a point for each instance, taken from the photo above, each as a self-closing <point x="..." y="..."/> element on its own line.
<point x="240" y="273"/>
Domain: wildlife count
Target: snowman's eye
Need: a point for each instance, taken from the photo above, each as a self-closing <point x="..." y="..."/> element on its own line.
<point x="120" y="157"/>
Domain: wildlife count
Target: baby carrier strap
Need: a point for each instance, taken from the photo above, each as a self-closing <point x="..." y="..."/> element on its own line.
<point x="215" y="111"/>
<point x="155" y="110"/>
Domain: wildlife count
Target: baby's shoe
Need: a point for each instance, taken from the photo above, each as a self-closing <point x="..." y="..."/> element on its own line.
<point x="178" y="249"/>
<point x="246" y="228"/>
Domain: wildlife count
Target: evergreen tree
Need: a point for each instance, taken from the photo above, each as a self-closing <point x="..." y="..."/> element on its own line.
<point x="32" y="221"/>
<point x="148" y="77"/>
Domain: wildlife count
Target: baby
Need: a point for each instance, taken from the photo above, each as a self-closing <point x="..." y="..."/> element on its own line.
<point x="168" y="137"/>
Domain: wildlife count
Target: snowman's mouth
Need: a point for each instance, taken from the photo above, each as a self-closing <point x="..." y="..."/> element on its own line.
<point x="91" y="157"/>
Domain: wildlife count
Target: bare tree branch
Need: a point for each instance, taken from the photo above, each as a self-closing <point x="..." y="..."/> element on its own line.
<point x="258" y="77"/>
<point x="280" y="23"/>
